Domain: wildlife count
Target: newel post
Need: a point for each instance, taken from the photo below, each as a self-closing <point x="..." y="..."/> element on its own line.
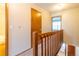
<point x="35" y="43"/>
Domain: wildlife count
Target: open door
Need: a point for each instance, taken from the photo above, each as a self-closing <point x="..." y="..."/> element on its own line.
<point x="35" y="22"/>
<point x="3" y="30"/>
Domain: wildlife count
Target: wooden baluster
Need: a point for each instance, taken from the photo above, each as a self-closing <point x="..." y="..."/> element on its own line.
<point x="45" y="44"/>
<point x="48" y="45"/>
<point x="55" y="43"/>
<point x="55" y="39"/>
<point x="54" y="46"/>
<point x="62" y="36"/>
<point x="35" y="43"/>
<point x="51" y="45"/>
<point x="41" y="46"/>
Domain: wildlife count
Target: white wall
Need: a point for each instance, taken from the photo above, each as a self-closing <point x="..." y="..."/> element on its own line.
<point x="70" y="25"/>
<point x="2" y="23"/>
<point x="2" y="19"/>
<point x="20" y="26"/>
<point x="20" y="31"/>
<point x="77" y="51"/>
<point x="46" y="22"/>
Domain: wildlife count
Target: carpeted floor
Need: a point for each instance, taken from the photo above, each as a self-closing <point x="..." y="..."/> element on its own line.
<point x="30" y="52"/>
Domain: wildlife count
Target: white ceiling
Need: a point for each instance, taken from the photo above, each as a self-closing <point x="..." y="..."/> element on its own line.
<point x="54" y="7"/>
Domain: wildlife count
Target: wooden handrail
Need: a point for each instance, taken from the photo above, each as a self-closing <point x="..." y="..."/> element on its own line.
<point x="50" y="43"/>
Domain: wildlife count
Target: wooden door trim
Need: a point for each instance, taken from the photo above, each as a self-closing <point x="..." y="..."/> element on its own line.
<point x="31" y="22"/>
<point x="6" y="30"/>
<point x="35" y="10"/>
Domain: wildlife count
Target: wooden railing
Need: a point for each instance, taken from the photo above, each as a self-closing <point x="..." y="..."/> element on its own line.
<point x="47" y="44"/>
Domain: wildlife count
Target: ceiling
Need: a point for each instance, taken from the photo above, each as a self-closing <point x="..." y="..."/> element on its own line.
<point x="55" y="7"/>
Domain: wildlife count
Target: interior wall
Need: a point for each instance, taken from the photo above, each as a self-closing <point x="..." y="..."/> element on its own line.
<point x="2" y="19"/>
<point x="20" y="26"/>
<point x="19" y="31"/>
<point x="70" y="25"/>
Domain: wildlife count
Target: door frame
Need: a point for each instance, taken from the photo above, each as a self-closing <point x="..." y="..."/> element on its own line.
<point x="31" y="22"/>
<point x="6" y="30"/>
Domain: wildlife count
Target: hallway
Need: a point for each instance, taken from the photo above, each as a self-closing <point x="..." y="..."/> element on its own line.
<point x="18" y="22"/>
